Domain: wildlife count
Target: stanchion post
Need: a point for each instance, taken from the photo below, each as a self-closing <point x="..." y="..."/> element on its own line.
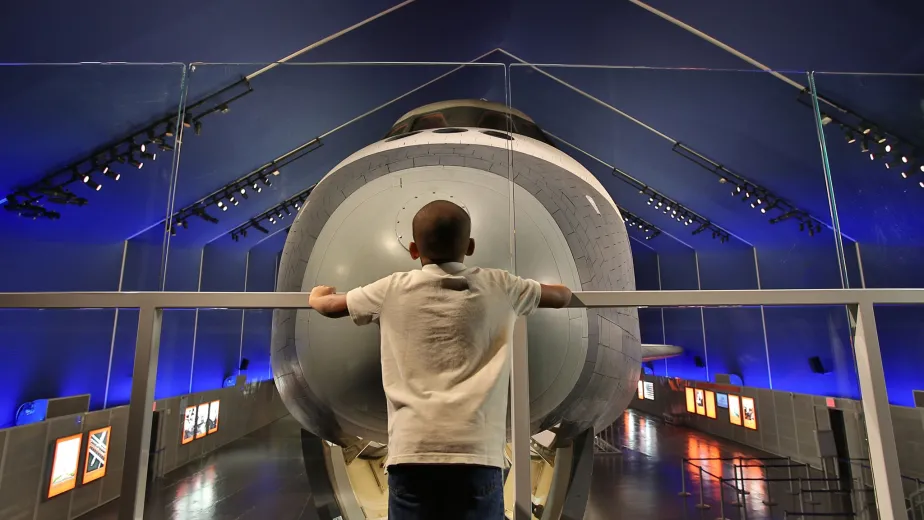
<point x="683" y="480"/>
<point x="702" y="492"/>
<point x="721" y="499"/>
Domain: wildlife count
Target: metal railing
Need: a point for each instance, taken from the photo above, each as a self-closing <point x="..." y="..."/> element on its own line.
<point x="890" y="498"/>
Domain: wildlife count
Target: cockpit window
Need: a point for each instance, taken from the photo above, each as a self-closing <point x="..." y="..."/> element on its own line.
<point x="430" y="121"/>
<point x="470" y="117"/>
<point x="398" y="129"/>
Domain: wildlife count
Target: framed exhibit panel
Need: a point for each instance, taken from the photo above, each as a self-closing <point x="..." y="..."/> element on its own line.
<point x="212" y="424"/>
<point x="710" y="404"/>
<point x="734" y="410"/>
<point x="649" y="390"/>
<point x="721" y="400"/>
<point x="202" y="415"/>
<point x="97" y="454"/>
<point x="691" y="400"/>
<point x="64" y="465"/>
<point x="189" y="425"/>
<point x="749" y="413"/>
<point x="641" y="391"/>
<point x="700" y="402"/>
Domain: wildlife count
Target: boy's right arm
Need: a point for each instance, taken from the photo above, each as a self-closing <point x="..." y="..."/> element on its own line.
<point x="554" y="296"/>
<point x="527" y="295"/>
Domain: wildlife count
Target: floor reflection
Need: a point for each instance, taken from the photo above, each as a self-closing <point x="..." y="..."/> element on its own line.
<point x="262" y="477"/>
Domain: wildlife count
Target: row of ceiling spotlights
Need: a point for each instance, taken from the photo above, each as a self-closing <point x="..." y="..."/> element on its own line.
<point x="684" y="215"/>
<point x="879" y="147"/>
<point x="649" y="230"/>
<point x="228" y="198"/>
<point x="274" y="215"/>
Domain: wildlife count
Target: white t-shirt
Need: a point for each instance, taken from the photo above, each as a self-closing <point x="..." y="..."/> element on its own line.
<point x="445" y="332"/>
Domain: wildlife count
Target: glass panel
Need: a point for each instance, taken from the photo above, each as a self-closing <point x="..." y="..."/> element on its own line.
<point x="88" y="164"/>
<point x="75" y="140"/>
<point x="719" y="182"/>
<point x="872" y="143"/>
<point x="248" y="217"/>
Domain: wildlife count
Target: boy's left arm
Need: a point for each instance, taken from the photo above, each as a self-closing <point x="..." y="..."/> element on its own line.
<point x="327" y="302"/>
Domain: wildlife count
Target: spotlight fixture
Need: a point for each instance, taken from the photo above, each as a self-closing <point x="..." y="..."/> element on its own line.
<point x="140" y="143"/>
<point x="91" y="183"/>
<point x="112" y="174"/>
<point x="222" y="205"/>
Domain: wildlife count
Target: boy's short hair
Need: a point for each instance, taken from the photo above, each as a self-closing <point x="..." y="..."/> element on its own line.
<point x="442" y="230"/>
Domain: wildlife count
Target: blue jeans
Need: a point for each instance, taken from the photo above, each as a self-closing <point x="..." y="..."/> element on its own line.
<point x="445" y="492"/>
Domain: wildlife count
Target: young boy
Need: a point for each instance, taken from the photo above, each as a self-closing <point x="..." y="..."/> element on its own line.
<point x="445" y="331"/>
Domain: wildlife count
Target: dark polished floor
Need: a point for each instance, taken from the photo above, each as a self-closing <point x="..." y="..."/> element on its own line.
<point x="262" y="477"/>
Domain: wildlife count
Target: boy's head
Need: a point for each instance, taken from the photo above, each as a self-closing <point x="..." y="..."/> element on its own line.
<point x="442" y="233"/>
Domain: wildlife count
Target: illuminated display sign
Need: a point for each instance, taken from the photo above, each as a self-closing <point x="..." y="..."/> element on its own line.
<point x="641" y="390"/>
<point x="212" y="424"/>
<point x="202" y="416"/>
<point x="97" y="454"/>
<point x="734" y="409"/>
<point x="64" y="465"/>
<point x="691" y="401"/>
<point x="749" y="413"/>
<point x="721" y="400"/>
<point x="649" y="390"/>
<point x="700" y="402"/>
<point x="189" y="425"/>
<point x="710" y="404"/>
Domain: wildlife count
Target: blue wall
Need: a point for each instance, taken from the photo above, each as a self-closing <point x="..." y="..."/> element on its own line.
<point x="55" y="353"/>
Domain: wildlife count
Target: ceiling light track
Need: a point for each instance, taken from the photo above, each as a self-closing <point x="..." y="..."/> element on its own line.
<point x="232" y="193"/>
<point x="275" y="215"/>
<point x="673" y="209"/>
<point x="111" y="161"/>
<point x="892" y="151"/>
<point x="633" y="221"/>
<point x="756" y="196"/>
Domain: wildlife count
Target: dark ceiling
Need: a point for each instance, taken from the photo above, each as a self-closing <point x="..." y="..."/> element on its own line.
<point x="745" y="119"/>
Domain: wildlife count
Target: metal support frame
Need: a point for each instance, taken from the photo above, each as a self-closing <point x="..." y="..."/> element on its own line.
<point x="519" y="420"/>
<point x="883" y="452"/>
<point x="887" y="479"/>
<point x="138" y="440"/>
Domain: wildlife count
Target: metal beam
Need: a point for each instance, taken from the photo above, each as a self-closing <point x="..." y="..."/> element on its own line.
<point x="590" y="299"/>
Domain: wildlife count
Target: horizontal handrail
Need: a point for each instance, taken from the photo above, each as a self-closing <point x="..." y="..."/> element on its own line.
<point x="298" y="300"/>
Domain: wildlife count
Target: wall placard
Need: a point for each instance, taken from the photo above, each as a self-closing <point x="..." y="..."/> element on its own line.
<point x="202" y="416"/>
<point x="734" y="410"/>
<point x="64" y="465"/>
<point x="97" y="454"/>
<point x="189" y="425"/>
<point x="691" y="400"/>
<point x="700" y="402"/>
<point x="212" y="424"/>
<point x="710" y="404"/>
<point x="749" y="413"/>
<point x="649" y="390"/>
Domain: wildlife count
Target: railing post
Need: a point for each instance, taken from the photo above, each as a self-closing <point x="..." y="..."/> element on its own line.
<point x="519" y="410"/>
<point x="140" y="411"/>
<point x="883" y="454"/>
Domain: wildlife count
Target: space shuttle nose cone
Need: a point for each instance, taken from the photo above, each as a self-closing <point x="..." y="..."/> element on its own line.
<point x="356" y="228"/>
